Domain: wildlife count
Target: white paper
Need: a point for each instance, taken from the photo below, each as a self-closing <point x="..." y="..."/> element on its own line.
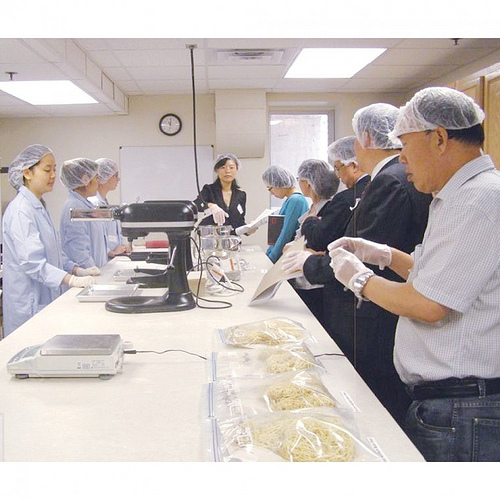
<point x="256" y="223"/>
<point x="272" y="280"/>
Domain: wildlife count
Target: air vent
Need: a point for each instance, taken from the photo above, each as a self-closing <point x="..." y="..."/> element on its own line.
<point x="261" y="56"/>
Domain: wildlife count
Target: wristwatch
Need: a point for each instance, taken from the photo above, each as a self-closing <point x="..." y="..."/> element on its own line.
<point x="360" y="282"/>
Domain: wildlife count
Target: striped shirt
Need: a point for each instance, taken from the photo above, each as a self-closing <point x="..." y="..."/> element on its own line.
<point x="457" y="265"/>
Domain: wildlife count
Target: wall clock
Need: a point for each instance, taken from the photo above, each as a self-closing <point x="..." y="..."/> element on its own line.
<point x="170" y="124"/>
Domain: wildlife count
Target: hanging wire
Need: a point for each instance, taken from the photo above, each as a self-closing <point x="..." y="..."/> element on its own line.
<point x="191" y="48"/>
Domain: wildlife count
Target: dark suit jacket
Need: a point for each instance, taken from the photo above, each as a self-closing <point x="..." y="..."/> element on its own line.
<point x="212" y="193"/>
<point x="393" y="212"/>
<point x="333" y="217"/>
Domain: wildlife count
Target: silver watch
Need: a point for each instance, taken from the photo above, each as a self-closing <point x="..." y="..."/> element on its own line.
<point x="360" y="282"/>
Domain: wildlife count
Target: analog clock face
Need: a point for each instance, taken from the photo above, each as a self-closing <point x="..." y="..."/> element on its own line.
<point x="170" y="124"/>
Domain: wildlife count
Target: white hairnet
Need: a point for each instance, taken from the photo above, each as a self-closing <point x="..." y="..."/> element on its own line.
<point x="78" y="172"/>
<point x="277" y="176"/>
<point x="221" y="160"/>
<point x="321" y="177"/>
<point x="106" y="168"/>
<point x="372" y="125"/>
<point x="342" y="151"/>
<point x="437" y="107"/>
<point x="27" y="158"/>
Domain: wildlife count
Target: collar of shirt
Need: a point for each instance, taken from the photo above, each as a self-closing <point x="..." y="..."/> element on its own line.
<point x="381" y="164"/>
<point x="362" y="177"/>
<point x="469" y="170"/>
<point x="80" y="197"/>
<point x="36" y="202"/>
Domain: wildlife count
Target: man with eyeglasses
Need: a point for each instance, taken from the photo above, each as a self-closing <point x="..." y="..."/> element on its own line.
<point x="319" y="231"/>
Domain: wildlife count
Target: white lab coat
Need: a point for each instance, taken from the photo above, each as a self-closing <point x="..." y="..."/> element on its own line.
<point x="84" y="242"/>
<point x="32" y="260"/>
<point x="113" y="231"/>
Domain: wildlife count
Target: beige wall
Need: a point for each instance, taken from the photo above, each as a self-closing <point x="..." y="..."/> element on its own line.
<point x="95" y="137"/>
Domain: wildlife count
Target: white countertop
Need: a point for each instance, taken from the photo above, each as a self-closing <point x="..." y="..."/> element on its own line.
<point x="152" y="410"/>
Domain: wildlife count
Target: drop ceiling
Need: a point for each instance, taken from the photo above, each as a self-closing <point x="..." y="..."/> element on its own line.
<point x="114" y="69"/>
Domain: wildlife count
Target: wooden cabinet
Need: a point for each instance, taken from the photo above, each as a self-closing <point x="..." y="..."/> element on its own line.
<point x="473" y="87"/>
<point x="492" y="110"/>
<point x="484" y="88"/>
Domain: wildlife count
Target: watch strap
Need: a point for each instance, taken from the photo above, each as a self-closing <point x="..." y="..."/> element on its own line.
<point x="358" y="282"/>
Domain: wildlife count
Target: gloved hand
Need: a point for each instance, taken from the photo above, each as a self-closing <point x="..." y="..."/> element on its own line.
<point x="218" y="214"/>
<point x="346" y="266"/>
<point x="80" y="281"/>
<point x="293" y="261"/>
<point x="89" y="271"/>
<point x="366" y="251"/>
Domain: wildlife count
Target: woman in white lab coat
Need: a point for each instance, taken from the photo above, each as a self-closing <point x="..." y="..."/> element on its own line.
<point x="34" y="268"/>
<point x="108" y="177"/>
<point x="84" y="242"/>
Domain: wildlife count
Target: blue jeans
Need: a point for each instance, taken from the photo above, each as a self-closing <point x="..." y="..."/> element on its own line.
<point x="456" y="429"/>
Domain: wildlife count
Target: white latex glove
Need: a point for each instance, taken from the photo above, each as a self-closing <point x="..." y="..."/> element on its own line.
<point x="89" y="271"/>
<point x="346" y="266"/>
<point x="365" y="250"/>
<point x="80" y="281"/>
<point x="293" y="261"/>
<point x="218" y="214"/>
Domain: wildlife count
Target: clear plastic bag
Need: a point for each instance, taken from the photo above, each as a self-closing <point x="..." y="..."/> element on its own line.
<point x="269" y="332"/>
<point x="309" y="435"/>
<point x="231" y="397"/>
<point x="261" y="362"/>
<point x="303" y="389"/>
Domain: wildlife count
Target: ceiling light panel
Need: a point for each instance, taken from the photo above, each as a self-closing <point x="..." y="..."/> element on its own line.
<point x="332" y="63"/>
<point x="47" y="92"/>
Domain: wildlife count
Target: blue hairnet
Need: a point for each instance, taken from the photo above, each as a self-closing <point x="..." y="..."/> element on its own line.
<point x="106" y="169"/>
<point x="320" y="176"/>
<point x="372" y="125"/>
<point x="78" y="172"/>
<point x="277" y="176"/>
<point x="27" y="158"/>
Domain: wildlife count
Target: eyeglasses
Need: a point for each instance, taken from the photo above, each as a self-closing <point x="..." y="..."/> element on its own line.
<point x="337" y="169"/>
<point x="269" y="188"/>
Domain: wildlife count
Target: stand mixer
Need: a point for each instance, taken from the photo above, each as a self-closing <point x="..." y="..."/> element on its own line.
<point x="177" y="219"/>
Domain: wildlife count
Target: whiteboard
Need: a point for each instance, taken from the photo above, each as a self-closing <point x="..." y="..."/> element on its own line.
<point x="163" y="172"/>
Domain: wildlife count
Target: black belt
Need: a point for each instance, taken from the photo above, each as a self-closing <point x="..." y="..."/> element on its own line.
<point x="455" y="388"/>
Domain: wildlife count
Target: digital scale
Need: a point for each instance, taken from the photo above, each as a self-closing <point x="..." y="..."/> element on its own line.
<point x="93" y="355"/>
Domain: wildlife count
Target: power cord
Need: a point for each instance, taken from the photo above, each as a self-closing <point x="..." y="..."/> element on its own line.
<point x="199" y="265"/>
<point x="134" y="351"/>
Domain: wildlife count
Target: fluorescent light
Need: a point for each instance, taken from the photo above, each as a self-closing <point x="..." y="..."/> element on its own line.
<point x="46" y="92"/>
<point x="331" y="63"/>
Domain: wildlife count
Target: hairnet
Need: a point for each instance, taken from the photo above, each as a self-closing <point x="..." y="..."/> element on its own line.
<point x="437" y="107"/>
<point x="342" y="151"/>
<point x="78" y="172"/>
<point x="106" y="169"/>
<point x="27" y="158"/>
<point x="376" y="120"/>
<point x="221" y="160"/>
<point x="321" y="176"/>
<point x="277" y="176"/>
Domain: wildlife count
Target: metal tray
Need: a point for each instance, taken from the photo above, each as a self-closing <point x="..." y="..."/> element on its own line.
<point x="103" y="293"/>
